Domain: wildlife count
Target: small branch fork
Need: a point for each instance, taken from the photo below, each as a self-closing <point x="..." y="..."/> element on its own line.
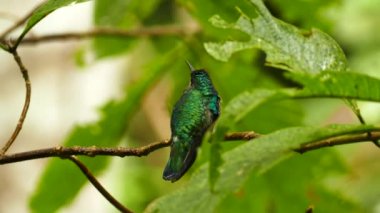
<point x="98" y="186"/>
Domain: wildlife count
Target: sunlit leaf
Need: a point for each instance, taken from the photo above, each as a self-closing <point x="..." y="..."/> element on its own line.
<point x="286" y="46"/>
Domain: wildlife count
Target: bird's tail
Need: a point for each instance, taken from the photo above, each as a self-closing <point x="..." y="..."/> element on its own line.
<point x="182" y="156"/>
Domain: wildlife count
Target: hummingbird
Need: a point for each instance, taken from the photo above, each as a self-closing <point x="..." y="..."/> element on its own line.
<point x="196" y="110"/>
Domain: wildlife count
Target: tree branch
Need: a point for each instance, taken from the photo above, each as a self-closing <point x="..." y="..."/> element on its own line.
<point x="113" y="32"/>
<point x="28" y="87"/>
<point x="98" y="186"/>
<point x="65" y="152"/>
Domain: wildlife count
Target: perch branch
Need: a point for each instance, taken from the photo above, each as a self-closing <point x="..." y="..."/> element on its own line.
<point x="28" y="87"/>
<point x="99" y="186"/>
<point x="65" y="152"/>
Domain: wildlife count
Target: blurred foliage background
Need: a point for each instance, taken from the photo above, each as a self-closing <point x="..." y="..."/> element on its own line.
<point x="147" y="77"/>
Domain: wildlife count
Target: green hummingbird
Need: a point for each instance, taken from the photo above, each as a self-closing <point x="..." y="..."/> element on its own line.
<point x="196" y="110"/>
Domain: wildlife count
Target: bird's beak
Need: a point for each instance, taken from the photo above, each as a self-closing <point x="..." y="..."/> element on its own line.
<point x="190" y="66"/>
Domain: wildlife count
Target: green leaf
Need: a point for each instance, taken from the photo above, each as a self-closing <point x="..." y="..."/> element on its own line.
<point x="286" y="46"/>
<point x="239" y="107"/>
<point x="326" y="84"/>
<point x="234" y="111"/>
<point x="346" y="85"/>
<point x="254" y="156"/>
<point x="119" y="14"/>
<point x="215" y="162"/>
<point x="44" y="10"/>
<point x="283" y="191"/>
<point x="108" y="131"/>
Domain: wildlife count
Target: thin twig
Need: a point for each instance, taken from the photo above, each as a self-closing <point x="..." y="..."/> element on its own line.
<point x="356" y="109"/>
<point x="113" y="32"/>
<point x="340" y="140"/>
<point x="19" y="22"/>
<point x="28" y="87"/>
<point x="233" y="136"/>
<point x="8" y="16"/>
<point x="99" y="186"/>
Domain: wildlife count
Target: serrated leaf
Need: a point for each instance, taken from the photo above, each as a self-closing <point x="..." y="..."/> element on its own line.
<point x="44" y="10"/>
<point x="254" y="156"/>
<point x="286" y="46"/>
<point x="108" y="131"/>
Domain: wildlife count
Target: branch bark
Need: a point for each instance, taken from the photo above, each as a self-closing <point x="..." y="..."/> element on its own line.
<point x="25" y="108"/>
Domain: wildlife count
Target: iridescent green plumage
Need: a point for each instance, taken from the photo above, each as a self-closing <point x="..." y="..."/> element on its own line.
<point x="193" y="114"/>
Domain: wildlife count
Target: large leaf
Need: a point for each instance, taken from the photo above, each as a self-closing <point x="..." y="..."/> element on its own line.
<point x="254" y="156"/>
<point x="44" y="10"/>
<point x="286" y="46"/>
<point x="108" y="131"/>
<point x="303" y="186"/>
<point x="326" y="84"/>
